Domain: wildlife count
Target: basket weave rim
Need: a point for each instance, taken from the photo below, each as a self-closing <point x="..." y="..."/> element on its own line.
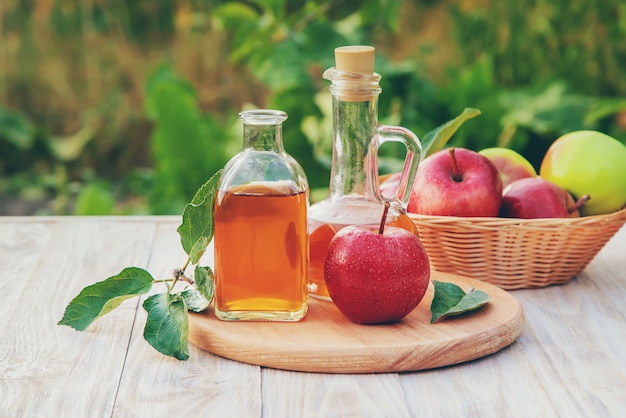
<point x="617" y="217"/>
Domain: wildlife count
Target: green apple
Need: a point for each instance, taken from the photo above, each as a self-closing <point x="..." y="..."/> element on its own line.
<point x="510" y="164"/>
<point x="588" y="162"/>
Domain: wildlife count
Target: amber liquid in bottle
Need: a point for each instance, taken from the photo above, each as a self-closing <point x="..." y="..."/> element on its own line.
<point x="261" y="253"/>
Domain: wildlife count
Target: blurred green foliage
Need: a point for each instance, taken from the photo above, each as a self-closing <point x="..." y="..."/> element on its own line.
<point x="187" y="146"/>
<point x="125" y="107"/>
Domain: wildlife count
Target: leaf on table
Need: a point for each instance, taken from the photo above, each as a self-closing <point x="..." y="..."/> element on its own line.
<point x="196" y="229"/>
<point x="101" y="298"/>
<point x="203" y="277"/>
<point x="436" y="139"/>
<point x="167" y="325"/>
<point x="450" y="300"/>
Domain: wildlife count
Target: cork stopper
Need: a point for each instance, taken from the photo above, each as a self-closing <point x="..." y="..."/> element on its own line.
<point x="358" y="59"/>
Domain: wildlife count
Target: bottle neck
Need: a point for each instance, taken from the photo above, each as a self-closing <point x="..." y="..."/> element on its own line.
<point x="263" y="137"/>
<point x="354" y="133"/>
<point x="262" y="130"/>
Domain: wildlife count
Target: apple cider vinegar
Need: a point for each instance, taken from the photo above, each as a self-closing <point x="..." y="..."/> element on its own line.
<point x="261" y="253"/>
<point x="261" y="243"/>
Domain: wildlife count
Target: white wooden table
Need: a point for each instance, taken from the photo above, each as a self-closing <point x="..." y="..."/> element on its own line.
<point x="570" y="360"/>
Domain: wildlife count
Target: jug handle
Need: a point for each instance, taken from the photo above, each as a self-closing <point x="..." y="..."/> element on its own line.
<point x="387" y="133"/>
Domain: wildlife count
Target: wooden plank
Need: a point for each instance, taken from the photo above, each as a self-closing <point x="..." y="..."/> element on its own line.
<point x="50" y="370"/>
<point x="566" y="347"/>
<point x="155" y="385"/>
<point x="296" y="394"/>
<point x="541" y="373"/>
<point x="604" y="285"/>
<point x="500" y="385"/>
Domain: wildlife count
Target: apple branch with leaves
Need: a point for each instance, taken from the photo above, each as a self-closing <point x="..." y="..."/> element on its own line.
<point x="167" y="324"/>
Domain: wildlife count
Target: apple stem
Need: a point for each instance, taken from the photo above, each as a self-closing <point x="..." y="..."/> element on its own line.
<point x="456" y="175"/>
<point x="381" y="229"/>
<point x="578" y="203"/>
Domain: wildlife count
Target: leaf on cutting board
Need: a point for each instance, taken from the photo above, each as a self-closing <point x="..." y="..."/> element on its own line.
<point x="451" y="300"/>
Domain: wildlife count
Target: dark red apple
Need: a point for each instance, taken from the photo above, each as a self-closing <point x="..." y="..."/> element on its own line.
<point x="376" y="274"/>
<point x="456" y="182"/>
<point x="535" y="197"/>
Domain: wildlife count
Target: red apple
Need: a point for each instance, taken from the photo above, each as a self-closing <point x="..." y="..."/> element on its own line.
<point x="531" y="198"/>
<point x="376" y="274"/>
<point x="389" y="187"/>
<point x="456" y="182"/>
<point x="510" y="164"/>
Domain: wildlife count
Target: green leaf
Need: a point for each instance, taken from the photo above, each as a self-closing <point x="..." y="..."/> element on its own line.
<point x="203" y="277"/>
<point x="16" y="128"/>
<point x="167" y="325"/>
<point x="196" y="230"/>
<point x="545" y="110"/>
<point x="195" y="300"/>
<point x="436" y="139"/>
<point x="71" y="147"/>
<point x="451" y="300"/>
<point x="102" y="297"/>
<point x="282" y="67"/>
<point x="163" y="78"/>
<point x="232" y="16"/>
<point x="183" y="142"/>
<point x="386" y="14"/>
<point x="602" y="108"/>
<point x="94" y="199"/>
<point x="207" y="190"/>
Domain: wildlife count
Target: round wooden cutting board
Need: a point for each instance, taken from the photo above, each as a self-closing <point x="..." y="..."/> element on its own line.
<point x="325" y="341"/>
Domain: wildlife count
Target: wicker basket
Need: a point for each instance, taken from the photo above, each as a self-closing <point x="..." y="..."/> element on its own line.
<point x="516" y="253"/>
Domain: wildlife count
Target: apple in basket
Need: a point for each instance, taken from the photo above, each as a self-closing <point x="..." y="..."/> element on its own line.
<point x="510" y="164"/>
<point x="535" y="197"/>
<point x="389" y="187"/>
<point x="588" y="162"/>
<point x="376" y="274"/>
<point x="456" y="182"/>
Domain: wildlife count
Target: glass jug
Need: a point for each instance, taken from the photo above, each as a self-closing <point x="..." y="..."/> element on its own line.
<point x="261" y="221"/>
<point x="354" y="195"/>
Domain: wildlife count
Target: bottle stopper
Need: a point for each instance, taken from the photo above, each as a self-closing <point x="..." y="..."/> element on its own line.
<point x="358" y="59"/>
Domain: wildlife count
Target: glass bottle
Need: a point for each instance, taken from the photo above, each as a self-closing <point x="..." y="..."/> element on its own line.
<point x="354" y="195"/>
<point x="261" y="222"/>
